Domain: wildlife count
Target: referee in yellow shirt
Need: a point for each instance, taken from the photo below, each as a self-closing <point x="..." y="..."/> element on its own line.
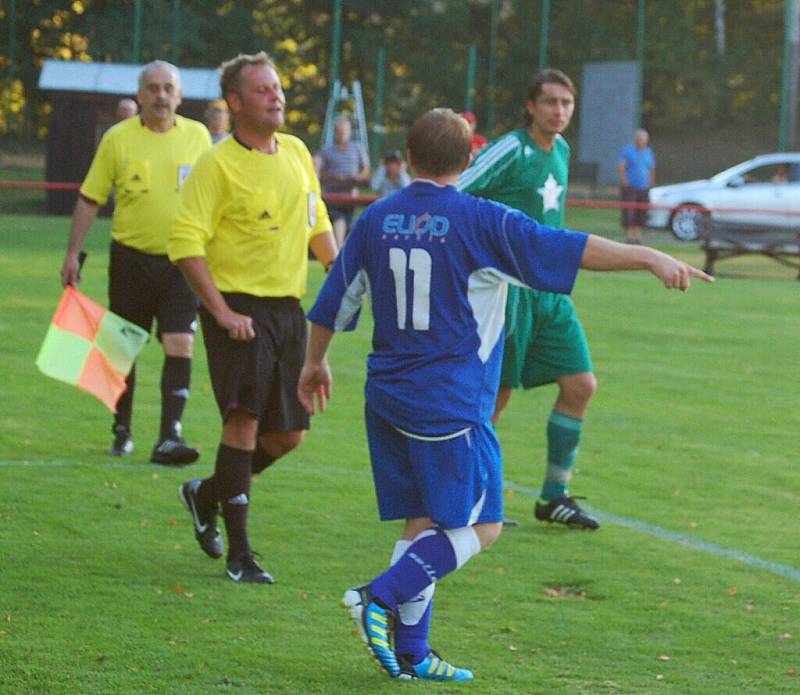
<point x="144" y="161"/>
<point x="249" y="212"/>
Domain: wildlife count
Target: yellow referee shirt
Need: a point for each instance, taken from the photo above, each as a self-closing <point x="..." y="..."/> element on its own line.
<point x="252" y="215"/>
<point x="146" y="170"/>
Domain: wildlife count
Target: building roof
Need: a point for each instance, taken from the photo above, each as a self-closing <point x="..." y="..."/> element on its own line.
<point x="120" y="78"/>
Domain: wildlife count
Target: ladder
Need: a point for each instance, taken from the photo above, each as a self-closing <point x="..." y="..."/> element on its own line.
<point x="350" y="103"/>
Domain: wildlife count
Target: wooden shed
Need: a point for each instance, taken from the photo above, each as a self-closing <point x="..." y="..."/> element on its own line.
<point x="84" y="98"/>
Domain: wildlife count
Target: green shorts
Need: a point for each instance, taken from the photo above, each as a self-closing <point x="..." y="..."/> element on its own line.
<point x="544" y="339"/>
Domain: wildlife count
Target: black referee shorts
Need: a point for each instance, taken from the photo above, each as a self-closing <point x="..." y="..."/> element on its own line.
<point x="142" y="286"/>
<point x="259" y="376"/>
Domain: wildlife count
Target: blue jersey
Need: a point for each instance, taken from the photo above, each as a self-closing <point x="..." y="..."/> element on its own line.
<point x="436" y="264"/>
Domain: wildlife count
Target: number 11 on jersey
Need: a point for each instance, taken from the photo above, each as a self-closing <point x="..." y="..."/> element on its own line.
<point x="419" y="262"/>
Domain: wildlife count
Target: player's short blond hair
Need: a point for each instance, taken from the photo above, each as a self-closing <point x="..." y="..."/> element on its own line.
<point x="230" y="71"/>
<point x="439" y="142"/>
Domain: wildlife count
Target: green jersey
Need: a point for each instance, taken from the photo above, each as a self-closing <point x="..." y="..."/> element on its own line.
<point x="515" y="171"/>
<point x="544" y="338"/>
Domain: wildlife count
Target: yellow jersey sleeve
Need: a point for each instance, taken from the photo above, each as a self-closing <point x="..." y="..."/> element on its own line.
<point x="101" y="176"/>
<point x="200" y="206"/>
<point x="319" y="221"/>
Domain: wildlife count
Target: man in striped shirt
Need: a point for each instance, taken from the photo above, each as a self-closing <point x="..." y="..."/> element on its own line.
<point x="342" y="167"/>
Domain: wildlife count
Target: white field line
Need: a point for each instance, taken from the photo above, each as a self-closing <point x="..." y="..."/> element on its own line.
<point x="696" y="544"/>
<point x="776" y="568"/>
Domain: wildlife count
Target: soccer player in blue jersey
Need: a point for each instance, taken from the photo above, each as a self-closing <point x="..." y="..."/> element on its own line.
<point x="437" y="264"/>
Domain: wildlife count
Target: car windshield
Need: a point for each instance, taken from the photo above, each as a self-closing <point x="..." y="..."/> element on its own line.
<point x="737" y="170"/>
<point x="744" y="167"/>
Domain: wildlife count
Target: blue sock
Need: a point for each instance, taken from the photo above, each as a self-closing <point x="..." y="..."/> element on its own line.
<point x="429" y="558"/>
<point x="563" y="437"/>
<point x="412" y="640"/>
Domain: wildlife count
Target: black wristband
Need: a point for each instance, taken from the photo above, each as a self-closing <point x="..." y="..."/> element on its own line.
<point x="328" y="266"/>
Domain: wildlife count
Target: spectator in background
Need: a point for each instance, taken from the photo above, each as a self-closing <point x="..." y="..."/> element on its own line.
<point x="217" y="120"/>
<point x="392" y="175"/>
<point x="342" y="167"/>
<point x="478" y="141"/>
<point x="126" y="108"/>
<point x="145" y="160"/>
<point x="637" y="174"/>
<point x="781" y="174"/>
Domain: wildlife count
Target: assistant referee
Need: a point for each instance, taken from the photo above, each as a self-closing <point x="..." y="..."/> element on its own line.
<point x="249" y="213"/>
<point x="144" y="161"/>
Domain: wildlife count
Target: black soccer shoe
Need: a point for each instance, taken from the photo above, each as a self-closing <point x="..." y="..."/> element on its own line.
<point x="173" y="451"/>
<point x="205" y="530"/>
<point x="123" y="443"/>
<point x="565" y="510"/>
<point x="246" y="569"/>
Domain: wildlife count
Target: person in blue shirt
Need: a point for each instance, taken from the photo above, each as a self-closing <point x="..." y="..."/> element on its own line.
<point x="637" y="175"/>
<point x="436" y="263"/>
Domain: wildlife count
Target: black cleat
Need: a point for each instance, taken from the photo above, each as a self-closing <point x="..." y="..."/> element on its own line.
<point x="564" y="510"/>
<point x="123" y="443"/>
<point x="173" y="451"/>
<point x="246" y="569"/>
<point x="205" y="531"/>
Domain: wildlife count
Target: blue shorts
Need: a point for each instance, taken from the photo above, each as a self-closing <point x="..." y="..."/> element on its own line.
<point x="456" y="482"/>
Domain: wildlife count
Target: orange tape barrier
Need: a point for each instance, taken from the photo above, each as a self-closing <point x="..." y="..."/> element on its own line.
<point x="345" y="200"/>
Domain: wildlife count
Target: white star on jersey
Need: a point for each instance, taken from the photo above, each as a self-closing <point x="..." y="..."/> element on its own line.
<point x="550" y="192"/>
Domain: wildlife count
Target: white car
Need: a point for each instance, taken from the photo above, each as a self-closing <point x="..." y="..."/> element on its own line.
<point x="763" y="191"/>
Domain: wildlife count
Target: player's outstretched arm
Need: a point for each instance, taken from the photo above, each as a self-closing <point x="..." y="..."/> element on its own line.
<point x="315" y="378"/>
<point x="604" y="254"/>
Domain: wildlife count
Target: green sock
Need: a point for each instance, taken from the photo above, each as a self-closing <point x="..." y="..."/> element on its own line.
<point x="563" y="436"/>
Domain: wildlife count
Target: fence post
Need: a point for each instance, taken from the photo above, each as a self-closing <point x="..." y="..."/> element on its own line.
<point x="137" y="31"/>
<point x="492" y="68"/>
<point x="12" y="37"/>
<point x="176" y="30"/>
<point x="471" y="60"/>
<point x="378" y="127"/>
<point x="787" y="134"/>
<point x="544" y="31"/>
<point x="336" y="45"/>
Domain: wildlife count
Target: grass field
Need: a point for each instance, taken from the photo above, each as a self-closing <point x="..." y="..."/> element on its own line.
<point x="689" y="457"/>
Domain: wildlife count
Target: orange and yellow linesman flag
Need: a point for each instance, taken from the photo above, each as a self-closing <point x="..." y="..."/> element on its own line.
<point x="88" y="346"/>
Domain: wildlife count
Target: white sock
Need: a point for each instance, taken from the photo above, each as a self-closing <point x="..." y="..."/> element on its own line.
<point x="465" y="543"/>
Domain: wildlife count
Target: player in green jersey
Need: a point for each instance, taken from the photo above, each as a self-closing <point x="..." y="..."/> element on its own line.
<point x="528" y="169"/>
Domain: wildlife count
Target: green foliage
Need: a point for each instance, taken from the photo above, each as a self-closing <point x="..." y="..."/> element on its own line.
<point x="687" y="84"/>
<point x="693" y="430"/>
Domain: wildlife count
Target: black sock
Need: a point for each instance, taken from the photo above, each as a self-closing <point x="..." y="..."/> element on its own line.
<point x="261" y="459"/>
<point x="125" y="403"/>
<point x="175" y="377"/>
<point x="231" y="483"/>
<point x="207" y="497"/>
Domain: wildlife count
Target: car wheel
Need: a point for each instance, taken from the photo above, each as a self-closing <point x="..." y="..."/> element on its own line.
<point x="689" y="224"/>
